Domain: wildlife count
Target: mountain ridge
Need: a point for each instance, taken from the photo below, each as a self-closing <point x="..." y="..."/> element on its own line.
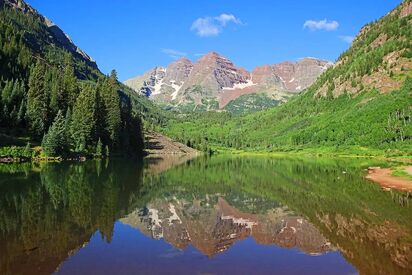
<point x="56" y="33"/>
<point x="215" y="78"/>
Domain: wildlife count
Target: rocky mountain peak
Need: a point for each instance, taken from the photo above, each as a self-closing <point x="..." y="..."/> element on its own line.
<point x="212" y="73"/>
<point x="183" y="59"/>
<point x="211" y="55"/>
<point x="214" y="77"/>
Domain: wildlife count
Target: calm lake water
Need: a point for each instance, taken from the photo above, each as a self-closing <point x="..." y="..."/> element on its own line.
<point x="223" y="215"/>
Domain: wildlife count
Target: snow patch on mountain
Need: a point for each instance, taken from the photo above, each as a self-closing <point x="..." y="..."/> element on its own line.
<point x="158" y="87"/>
<point x="240" y="86"/>
<point x="176" y="88"/>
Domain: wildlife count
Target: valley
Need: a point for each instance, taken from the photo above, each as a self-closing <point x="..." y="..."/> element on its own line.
<point x="216" y="146"/>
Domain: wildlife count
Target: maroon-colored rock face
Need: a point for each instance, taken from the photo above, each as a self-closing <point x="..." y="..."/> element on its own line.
<point x="214" y="76"/>
<point x="213" y="73"/>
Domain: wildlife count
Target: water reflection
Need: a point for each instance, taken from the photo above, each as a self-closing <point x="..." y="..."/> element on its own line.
<point x="58" y="217"/>
<point x="47" y="212"/>
<point x="212" y="225"/>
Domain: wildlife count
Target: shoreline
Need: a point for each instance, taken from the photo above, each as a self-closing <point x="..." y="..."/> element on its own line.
<point x="400" y="159"/>
<point x="384" y="177"/>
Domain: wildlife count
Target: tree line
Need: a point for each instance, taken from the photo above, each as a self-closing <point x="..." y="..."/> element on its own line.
<point x="70" y="116"/>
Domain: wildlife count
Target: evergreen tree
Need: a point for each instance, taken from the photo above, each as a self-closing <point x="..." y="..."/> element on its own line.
<point x="22" y="111"/>
<point x="67" y="127"/>
<point x="18" y="92"/>
<point x="6" y="93"/>
<point x="54" y="86"/>
<point x="37" y="101"/>
<point x="83" y="123"/>
<point x="54" y="142"/>
<point x="5" y="115"/>
<point x="111" y="103"/>
<point x="70" y="89"/>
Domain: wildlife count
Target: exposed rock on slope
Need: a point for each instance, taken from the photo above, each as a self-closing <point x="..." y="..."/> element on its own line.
<point x="380" y="57"/>
<point x="216" y="81"/>
<point x="57" y="36"/>
<point x="279" y="81"/>
<point x="158" y="144"/>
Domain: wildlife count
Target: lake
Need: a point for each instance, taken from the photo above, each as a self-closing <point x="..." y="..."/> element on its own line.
<point x="219" y="215"/>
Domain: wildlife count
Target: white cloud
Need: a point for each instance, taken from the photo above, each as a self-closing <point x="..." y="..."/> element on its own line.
<point x="224" y="18"/>
<point x="205" y="27"/>
<point x="173" y="53"/>
<point x="326" y="25"/>
<point x="213" y="26"/>
<point x="347" y="38"/>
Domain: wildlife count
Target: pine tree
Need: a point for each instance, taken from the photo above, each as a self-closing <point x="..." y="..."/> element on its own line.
<point x="83" y="123"/>
<point x="111" y="102"/>
<point x="54" y="142"/>
<point x="54" y="86"/>
<point x="5" y="115"/>
<point x="37" y="101"/>
<point x="18" y="92"/>
<point x="70" y="89"/>
<point x="101" y="112"/>
<point x="6" y="93"/>
<point x="67" y="127"/>
<point x="22" y="111"/>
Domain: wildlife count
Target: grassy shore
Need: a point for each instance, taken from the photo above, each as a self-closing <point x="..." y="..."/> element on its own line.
<point x="350" y="152"/>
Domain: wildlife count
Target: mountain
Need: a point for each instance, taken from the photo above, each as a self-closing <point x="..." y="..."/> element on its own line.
<point x="362" y="104"/>
<point x="163" y="84"/>
<point x="213" y="81"/>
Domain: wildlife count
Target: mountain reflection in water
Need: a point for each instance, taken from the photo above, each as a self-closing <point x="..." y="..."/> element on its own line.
<point x="212" y="225"/>
<point x="219" y="215"/>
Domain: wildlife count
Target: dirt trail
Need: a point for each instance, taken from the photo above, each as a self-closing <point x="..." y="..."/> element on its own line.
<point x="384" y="177"/>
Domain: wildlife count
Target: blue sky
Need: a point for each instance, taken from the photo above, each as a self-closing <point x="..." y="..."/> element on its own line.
<point x="133" y="36"/>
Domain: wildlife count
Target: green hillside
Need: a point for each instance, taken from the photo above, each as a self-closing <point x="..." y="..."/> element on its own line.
<point x="251" y="103"/>
<point x="330" y="115"/>
<point x="46" y="80"/>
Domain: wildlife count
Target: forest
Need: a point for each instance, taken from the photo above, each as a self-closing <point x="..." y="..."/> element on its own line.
<point x="53" y="99"/>
<point x="53" y="103"/>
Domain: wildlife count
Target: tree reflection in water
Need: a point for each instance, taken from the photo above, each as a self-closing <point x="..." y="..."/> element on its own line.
<point x="49" y="211"/>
